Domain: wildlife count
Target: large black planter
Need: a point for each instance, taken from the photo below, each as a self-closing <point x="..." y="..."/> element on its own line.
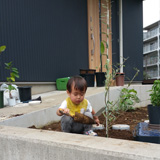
<point x="1" y="99"/>
<point x="88" y="75"/>
<point x="100" y="79"/>
<point x="89" y="79"/>
<point x="154" y="114"/>
<point x="87" y="71"/>
<point x="25" y="93"/>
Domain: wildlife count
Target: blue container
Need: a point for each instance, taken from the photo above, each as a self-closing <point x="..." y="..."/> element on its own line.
<point x="146" y="134"/>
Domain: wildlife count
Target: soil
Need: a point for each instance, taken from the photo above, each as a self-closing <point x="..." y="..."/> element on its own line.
<point x="131" y="118"/>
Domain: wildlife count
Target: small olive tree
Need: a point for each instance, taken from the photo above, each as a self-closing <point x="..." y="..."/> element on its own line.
<point x="128" y="97"/>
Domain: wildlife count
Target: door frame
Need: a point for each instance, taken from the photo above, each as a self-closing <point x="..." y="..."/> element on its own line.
<point x="94" y="34"/>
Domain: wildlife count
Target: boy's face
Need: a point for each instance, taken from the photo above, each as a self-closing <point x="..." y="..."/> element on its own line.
<point x="76" y="96"/>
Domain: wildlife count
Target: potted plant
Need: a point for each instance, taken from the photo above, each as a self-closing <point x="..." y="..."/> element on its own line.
<point x="2" y="49"/>
<point x="100" y="76"/>
<point x="119" y="79"/>
<point x="11" y="79"/>
<point x="119" y="76"/>
<point x="154" y="107"/>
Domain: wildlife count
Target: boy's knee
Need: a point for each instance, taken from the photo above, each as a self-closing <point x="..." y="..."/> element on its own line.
<point x="66" y="123"/>
<point x="67" y="119"/>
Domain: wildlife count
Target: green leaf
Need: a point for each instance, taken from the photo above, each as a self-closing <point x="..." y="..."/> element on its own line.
<point x="102" y="48"/>
<point x="104" y="33"/>
<point x="155" y="93"/>
<point x="2" y="48"/>
<point x="8" y="79"/>
<point x="8" y="65"/>
<point x="15" y="69"/>
<point x="129" y="102"/>
<point x="106" y="45"/>
<point x="13" y="79"/>
<point x="13" y="72"/>
<point x="133" y="91"/>
<point x="103" y="22"/>
<point x="10" y="87"/>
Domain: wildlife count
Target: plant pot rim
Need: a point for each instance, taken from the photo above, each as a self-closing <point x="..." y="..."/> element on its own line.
<point x="25" y="87"/>
<point x="120" y="73"/>
<point x="99" y="72"/>
<point x="88" y="69"/>
<point x="150" y="105"/>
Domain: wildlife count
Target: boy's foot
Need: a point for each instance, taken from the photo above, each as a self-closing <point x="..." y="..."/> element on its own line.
<point x="90" y="133"/>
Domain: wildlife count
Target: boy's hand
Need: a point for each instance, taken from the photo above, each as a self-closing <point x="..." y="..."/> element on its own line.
<point x="64" y="111"/>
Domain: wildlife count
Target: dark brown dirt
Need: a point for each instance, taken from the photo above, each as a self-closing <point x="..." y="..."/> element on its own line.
<point x="131" y="118"/>
<point x="15" y="115"/>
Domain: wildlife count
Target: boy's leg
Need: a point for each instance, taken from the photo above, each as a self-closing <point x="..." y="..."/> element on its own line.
<point x="77" y="128"/>
<point x="88" y="127"/>
<point x="68" y="125"/>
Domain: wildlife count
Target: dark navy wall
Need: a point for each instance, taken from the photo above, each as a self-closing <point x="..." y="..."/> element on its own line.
<point x="132" y="36"/>
<point x="45" y="39"/>
<point x="115" y="31"/>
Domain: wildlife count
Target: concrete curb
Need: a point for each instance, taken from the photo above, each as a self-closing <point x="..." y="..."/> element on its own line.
<point x="31" y="144"/>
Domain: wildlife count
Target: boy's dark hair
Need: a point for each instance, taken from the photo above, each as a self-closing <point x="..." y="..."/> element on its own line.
<point x="78" y="82"/>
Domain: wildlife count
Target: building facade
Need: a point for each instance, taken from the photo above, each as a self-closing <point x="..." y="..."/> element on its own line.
<point x="47" y="39"/>
<point x="151" y="51"/>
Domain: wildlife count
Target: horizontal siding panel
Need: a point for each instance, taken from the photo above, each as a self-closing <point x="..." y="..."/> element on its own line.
<point x="45" y="39"/>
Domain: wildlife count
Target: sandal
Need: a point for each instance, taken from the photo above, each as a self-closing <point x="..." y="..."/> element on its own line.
<point x="90" y="133"/>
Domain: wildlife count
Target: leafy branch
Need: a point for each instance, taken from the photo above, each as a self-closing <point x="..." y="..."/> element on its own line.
<point x="2" y="49"/>
<point x="13" y="75"/>
<point x="155" y="93"/>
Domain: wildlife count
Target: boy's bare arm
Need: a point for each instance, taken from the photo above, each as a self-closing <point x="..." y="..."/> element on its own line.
<point x="95" y="117"/>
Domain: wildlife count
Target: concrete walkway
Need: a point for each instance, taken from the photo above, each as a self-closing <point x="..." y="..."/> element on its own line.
<point x="49" y="99"/>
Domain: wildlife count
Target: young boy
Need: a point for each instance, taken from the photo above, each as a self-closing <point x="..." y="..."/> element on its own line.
<point x="76" y="89"/>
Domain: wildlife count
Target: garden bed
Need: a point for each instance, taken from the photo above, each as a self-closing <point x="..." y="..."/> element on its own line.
<point x="131" y="118"/>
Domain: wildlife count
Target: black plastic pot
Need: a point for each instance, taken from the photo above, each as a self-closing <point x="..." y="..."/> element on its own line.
<point x="25" y="93"/>
<point x="154" y="114"/>
<point x="100" y="79"/>
<point x="1" y="99"/>
<point x="89" y="79"/>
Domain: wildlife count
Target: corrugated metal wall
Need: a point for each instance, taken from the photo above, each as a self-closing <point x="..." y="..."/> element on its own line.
<point x="45" y="39"/>
<point x="132" y="36"/>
